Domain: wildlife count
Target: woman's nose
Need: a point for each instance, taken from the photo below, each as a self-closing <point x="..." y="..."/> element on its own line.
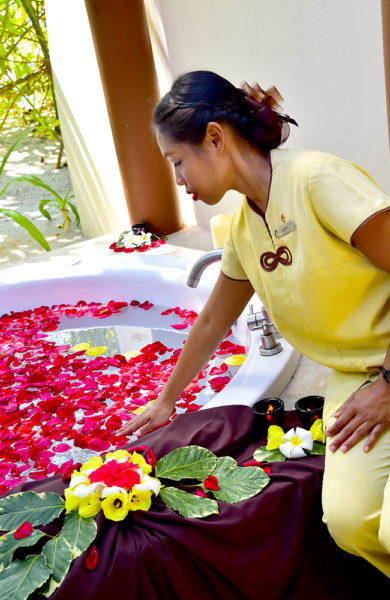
<point x="179" y="179"/>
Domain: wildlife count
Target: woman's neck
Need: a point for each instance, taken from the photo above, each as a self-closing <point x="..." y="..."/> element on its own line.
<point x="253" y="173"/>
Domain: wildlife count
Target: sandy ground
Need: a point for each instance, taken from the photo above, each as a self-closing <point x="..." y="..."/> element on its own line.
<point x="33" y="156"/>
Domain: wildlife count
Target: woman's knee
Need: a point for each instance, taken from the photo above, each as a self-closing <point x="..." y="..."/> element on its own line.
<point x="345" y="522"/>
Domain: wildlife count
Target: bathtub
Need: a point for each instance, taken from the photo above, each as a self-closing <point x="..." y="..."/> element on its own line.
<point x="92" y="273"/>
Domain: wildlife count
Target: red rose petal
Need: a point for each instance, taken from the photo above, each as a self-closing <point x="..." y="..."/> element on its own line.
<point x="92" y="559"/>
<point x="24" y="530"/>
<point x="211" y="483"/>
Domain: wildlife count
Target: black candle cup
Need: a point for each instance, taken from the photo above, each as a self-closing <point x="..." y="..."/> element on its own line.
<point x="309" y="409"/>
<point x="268" y="411"/>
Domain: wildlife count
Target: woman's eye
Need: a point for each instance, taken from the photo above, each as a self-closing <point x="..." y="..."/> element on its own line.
<point x="177" y="164"/>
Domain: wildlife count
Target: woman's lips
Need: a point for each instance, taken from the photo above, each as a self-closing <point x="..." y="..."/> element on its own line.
<point x="193" y="194"/>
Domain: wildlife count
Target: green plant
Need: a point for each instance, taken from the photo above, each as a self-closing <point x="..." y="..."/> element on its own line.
<point x="14" y="214"/>
<point x="26" y="82"/>
<point x="62" y="203"/>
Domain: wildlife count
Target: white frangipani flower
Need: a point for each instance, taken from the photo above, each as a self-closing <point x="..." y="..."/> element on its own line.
<point x="148" y="484"/>
<point x="295" y="442"/>
<point x="77" y="480"/>
<point x="113" y="489"/>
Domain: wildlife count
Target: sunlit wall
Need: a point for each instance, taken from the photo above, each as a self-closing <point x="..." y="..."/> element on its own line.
<point x="326" y="58"/>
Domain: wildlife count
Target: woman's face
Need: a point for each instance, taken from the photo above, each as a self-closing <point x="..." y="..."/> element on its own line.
<point x="201" y="169"/>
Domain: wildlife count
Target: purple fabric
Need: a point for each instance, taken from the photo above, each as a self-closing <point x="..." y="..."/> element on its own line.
<point x="273" y="546"/>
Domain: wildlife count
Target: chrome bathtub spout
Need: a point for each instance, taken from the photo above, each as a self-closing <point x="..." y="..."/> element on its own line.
<point x="201" y="264"/>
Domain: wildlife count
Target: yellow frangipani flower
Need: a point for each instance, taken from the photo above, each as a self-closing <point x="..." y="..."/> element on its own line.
<point x="72" y="502"/>
<point x="115" y="506"/>
<point x="138" y="459"/>
<point x="93" y="463"/>
<point x="317" y="431"/>
<point x="90" y="506"/>
<point x="274" y="438"/>
<point x="118" y="454"/>
<point x="140" y="500"/>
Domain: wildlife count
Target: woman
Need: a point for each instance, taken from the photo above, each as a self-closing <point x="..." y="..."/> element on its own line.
<point x="312" y="239"/>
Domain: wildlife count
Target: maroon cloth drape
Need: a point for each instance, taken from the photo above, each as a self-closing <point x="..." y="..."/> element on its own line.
<point x="273" y="546"/>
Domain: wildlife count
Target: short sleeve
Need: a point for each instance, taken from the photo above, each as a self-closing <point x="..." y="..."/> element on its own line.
<point x="231" y="265"/>
<point x="344" y="195"/>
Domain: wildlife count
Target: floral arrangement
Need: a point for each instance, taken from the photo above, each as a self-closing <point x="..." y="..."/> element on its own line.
<point x="296" y="443"/>
<point x="60" y="403"/>
<point x="137" y="239"/>
<point x="120" y="484"/>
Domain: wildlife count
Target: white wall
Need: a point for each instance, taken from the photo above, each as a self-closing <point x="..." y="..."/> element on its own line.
<point x="325" y="57"/>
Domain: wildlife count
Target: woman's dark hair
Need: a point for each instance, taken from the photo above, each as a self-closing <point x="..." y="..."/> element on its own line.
<point x="198" y="97"/>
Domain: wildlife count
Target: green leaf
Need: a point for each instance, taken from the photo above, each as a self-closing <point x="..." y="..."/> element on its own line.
<point x="75" y="212"/>
<point x="23" y="577"/>
<point x="41" y="207"/>
<point x="237" y="483"/>
<point x="318" y="448"/>
<point x="188" y="505"/>
<point x="262" y="454"/>
<point x="78" y="532"/>
<point x="28" y="225"/>
<point x="59" y="557"/>
<point x="38" y="182"/>
<point x="37" y="509"/>
<point x="12" y="148"/>
<point x="190" y="462"/>
<point x="8" y="545"/>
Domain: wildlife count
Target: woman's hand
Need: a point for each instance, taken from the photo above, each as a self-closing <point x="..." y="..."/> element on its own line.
<point x="366" y="412"/>
<point x="153" y="417"/>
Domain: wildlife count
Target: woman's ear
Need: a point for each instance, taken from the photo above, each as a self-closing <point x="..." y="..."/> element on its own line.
<point x="215" y="135"/>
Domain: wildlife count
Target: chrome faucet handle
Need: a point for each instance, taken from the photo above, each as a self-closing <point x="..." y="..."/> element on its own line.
<point x="255" y="320"/>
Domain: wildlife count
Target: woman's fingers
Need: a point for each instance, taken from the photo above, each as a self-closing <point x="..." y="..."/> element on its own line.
<point x="150" y="419"/>
<point x="366" y="413"/>
<point x="133" y="425"/>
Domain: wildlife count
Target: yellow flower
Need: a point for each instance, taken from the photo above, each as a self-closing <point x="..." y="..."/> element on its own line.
<point x="93" y="463"/>
<point x="72" y="502"/>
<point x="115" y="506"/>
<point x="317" y="431"/>
<point x="274" y="438"/>
<point x="90" y="506"/>
<point x="140" y="500"/>
<point x="138" y="459"/>
<point x="118" y="454"/>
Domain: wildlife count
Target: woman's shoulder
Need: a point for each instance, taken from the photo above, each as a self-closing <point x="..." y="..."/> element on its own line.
<point x="316" y="159"/>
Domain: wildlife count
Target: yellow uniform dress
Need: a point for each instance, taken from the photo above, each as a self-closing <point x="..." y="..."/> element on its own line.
<point x="331" y="303"/>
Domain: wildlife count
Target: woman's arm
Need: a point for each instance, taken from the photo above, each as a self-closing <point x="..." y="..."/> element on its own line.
<point x="226" y="302"/>
<point x="367" y="411"/>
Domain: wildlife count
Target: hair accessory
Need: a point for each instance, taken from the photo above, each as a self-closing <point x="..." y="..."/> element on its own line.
<point x="270" y="97"/>
<point x="271" y="128"/>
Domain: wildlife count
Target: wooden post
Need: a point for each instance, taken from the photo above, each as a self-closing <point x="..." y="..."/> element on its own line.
<point x="386" y="52"/>
<point x="124" y="54"/>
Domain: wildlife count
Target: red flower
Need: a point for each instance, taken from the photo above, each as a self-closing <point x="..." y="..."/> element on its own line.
<point x="211" y="483"/>
<point x="252" y="463"/>
<point x="150" y="458"/>
<point x="92" y="558"/>
<point x="201" y="493"/>
<point x="267" y="470"/>
<point x="114" y="473"/>
<point x="24" y="530"/>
